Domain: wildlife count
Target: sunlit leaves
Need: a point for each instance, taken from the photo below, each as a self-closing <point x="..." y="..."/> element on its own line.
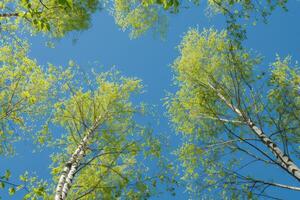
<point x="57" y="17"/>
<point x="241" y="13"/>
<point x="137" y="16"/>
<point x="112" y="166"/>
<point x="24" y="90"/>
<point x="206" y="58"/>
<point x="220" y="89"/>
<point x="284" y="97"/>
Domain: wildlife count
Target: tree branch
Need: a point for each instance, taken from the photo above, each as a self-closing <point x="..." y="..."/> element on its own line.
<point x="285" y="161"/>
<point x="3" y="15"/>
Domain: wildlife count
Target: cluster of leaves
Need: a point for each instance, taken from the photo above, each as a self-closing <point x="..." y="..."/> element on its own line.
<point x="212" y="75"/>
<point x="284" y="102"/>
<point x="35" y="189"/>
<point x="54" y="17"/>
<point x="195" y="108"/>
<point x="139" y="16"/>
<point x="114" y="164"/>
<point x="24" y="91"/>
<point x="59" y="17"/>
<point x="239" y="13"/>
<point x="110" y="168"/>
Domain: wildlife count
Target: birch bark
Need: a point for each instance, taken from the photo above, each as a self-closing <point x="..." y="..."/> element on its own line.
<point x="284" y="160"/>
<point x="67" y="176"/>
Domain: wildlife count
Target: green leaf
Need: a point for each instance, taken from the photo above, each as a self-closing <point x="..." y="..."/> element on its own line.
<point x="27" y="196"/>
<point x="11" y="191"/>
<point x="19" y="187"/>
<point x="7" y="174"/>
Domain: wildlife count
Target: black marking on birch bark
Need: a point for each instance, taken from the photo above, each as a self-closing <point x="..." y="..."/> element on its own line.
<point x="295" y="171"/>
<point x="288" y="158"/>
<point x="283" y="160"/>
<point x="64" y="185"/>
<point x="9" y="15"/>
<point x="68" y="165"/>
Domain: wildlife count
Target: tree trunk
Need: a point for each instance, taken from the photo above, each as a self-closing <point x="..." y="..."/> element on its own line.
<point x="285" y="162"/>
<point x="67" y="176"/>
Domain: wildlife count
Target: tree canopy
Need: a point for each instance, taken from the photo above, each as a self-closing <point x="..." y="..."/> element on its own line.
<point x="56" y="17"/>
<point x="99" y="138"/>
<point x="59" y="17"/>
<point x="223" y="113"/>
<point x="229" y="114"/>
<point x="24" y="94"/>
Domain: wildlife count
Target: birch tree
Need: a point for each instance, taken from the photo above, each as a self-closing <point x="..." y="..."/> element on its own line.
<point x="231" y="121"/>
<point x="103" y="142"/>
<point x="26" y="92"/>
<point x="101" y="152"/>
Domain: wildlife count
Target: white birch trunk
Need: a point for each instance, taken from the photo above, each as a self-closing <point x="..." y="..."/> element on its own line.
<point x="285" y="161"/>
<point x="67" y="176"/>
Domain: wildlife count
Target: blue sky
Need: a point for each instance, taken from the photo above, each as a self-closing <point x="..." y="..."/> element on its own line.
<point x="149" y="59"/>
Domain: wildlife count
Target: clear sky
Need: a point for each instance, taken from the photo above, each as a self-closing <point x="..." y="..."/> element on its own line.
<point x="149" y="59"/>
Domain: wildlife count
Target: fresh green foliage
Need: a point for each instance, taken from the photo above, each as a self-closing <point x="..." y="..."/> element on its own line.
<point x="57" y="17"/>
<point x="137" y="16"/>
<point x="24" y="90"/>
<point x="284" y="100"/>
<point x="220" y="111"/>
<point x="239" y="13"/>
<point x="215" y="79"/>
<point x="111" y="168"/>
<point x="115" y="164"/>
<point x="35" y="189"/>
